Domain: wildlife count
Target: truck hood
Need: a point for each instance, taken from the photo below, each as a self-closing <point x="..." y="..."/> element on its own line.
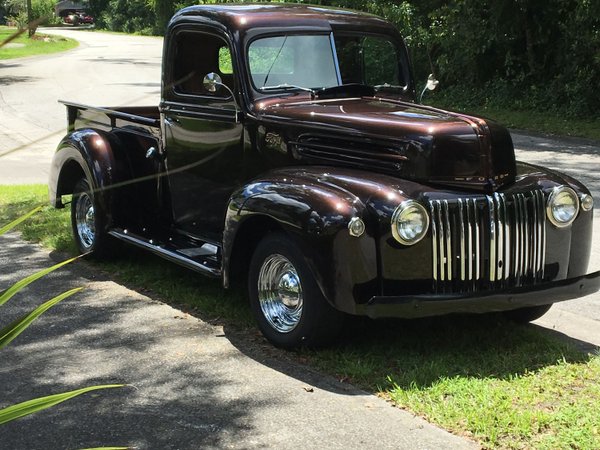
<point x="400" y="138"/>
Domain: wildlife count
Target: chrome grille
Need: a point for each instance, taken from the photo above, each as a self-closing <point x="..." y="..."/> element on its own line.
<point x="491" y="241"/>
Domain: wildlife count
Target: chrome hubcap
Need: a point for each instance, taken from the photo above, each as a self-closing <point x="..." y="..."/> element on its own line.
<point x="280" y="293"/>
<point x="84" y="219"/>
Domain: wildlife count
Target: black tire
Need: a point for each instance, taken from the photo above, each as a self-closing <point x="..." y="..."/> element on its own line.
<point x="526" y="315"/>
<point x="88" y="223"/>
<point x="296" y="313"/>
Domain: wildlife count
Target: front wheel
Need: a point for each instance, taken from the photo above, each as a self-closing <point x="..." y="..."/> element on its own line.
<point x="285" y="299"/>
<point x="88" y="223"/>
<point x="526" y="315"/>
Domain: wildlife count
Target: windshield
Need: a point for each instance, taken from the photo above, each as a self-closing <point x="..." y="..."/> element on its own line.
<point x="320" y="61"/>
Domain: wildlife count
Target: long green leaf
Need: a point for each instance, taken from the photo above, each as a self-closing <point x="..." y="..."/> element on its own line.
<point x="8" y="294"/>
<point x="38" y="404"/>
<point x="11" y="331"/>
<point x="16" y="222"/>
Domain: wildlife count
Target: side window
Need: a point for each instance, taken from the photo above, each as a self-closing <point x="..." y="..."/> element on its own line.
<point x="197" y="54"/>
<point x="225" y="64"/>
<point x="381" y="62"/>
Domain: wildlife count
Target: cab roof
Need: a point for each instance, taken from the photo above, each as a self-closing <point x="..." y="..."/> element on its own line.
<point x="244" y="17"/>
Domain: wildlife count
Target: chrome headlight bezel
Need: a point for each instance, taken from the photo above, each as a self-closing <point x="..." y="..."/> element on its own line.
<point x="401" y="214"/>
<point x="555" y="196"/>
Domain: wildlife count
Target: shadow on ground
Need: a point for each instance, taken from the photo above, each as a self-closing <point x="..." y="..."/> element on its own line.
<point x="190" y="387"/>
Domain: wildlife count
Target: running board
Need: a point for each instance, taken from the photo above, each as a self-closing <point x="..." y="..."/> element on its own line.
<point x="179" y="256"/>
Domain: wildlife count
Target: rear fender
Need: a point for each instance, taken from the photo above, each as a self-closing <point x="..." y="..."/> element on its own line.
<point x="88" y="153"/>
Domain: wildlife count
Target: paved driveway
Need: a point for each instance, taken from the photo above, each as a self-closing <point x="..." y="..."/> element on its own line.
<point x="105" y="70"/>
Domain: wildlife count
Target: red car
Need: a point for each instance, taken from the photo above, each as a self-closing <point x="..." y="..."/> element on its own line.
<point x="78" y="18"/>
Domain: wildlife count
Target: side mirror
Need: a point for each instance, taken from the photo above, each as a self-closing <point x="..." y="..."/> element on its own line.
<point x="212" y="81"/>
<point x="432" y="83"/>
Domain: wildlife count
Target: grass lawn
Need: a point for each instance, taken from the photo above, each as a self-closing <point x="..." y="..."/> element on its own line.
<point x="538" y="121"/>
<point x="503" y="385"/>
<point x="39" y="44"/>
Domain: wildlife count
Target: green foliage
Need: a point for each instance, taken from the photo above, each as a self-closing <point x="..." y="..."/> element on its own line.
<point x="130" y="16"/>
<point x="515" y="54"/>
<point x="19" y="220"/>
<point x="31" y="406"/>
<point x="21" y="284"/>
<point x="44" y="9"/>
<point x="12" y="330"/>
<point x="38" y="45"/>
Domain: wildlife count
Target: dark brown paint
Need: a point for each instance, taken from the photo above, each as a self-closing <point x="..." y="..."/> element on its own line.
<point x="228" y="171"/>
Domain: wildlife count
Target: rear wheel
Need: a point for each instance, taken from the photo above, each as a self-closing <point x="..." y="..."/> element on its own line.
<point x="526" y="315"/>
<point x="88" y="223"/>
<point x="285" y="299"/>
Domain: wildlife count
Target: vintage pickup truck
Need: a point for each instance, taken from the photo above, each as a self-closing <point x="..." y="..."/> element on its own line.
<point x="289" y="152"/>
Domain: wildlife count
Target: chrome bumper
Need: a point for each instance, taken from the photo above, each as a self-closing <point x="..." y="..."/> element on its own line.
<point x="414" y="306"/>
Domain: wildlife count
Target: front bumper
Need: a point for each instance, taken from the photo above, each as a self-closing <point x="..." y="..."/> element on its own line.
<point x="414" y="306"/>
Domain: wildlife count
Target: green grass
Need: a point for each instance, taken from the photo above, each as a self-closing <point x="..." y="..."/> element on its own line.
<point x="532" y="120"/>
<point x="503" y="385"/>
<point x="39" y="44"/>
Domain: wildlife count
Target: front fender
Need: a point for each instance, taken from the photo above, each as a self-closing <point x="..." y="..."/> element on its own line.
<point x="315" y="214"/>
<point x="88" y="153"/>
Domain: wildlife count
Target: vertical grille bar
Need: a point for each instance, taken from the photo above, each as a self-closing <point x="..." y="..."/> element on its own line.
<point x="449" y="259"/>
<point x="469" y="240"/>
<point x="477" y="255"/>
<point x="543" y="228"/>
<point x="441" y="241"/>
<point x="507" y="242"/>
<point x="463" y="256"/>
<point x="434" y="236"/>
<point x="517" y="216"/>
<point x="534" y="235"/>
<point x="499" y="238"/>
<point x="493" y="238"/>
<point x="526" y="229"/>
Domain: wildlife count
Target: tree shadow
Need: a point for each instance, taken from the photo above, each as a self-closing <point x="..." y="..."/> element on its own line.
<point x="124" y="61"/>
<point x="191" y="378"/>
<point x="6" y="80"/>
<point x="418" y="352"/>
<point x="179" y="399"/>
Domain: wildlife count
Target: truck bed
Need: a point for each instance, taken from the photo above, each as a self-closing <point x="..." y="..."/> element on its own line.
<point x="107" y="118"/>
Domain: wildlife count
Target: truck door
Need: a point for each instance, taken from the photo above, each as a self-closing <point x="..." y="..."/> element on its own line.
<point x="202" y="132"/>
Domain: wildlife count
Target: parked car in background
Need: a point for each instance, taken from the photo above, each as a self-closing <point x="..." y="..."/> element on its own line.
<point x="289" y="152"/>
<point x="77" y="18"/>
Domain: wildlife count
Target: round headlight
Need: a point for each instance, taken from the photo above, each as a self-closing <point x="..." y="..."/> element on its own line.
<point x="563" y="206"/>
<point x="410" y="222"/>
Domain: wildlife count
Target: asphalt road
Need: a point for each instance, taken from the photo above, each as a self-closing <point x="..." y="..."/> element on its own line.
<point x="185" y="372"/>
<point x="105" y="70"/>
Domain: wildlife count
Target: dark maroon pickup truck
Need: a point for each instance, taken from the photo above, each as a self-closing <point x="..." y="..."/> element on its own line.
<point x="289" y="152"/>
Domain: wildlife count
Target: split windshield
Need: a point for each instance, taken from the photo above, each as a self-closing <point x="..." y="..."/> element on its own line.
<point x="318" y="61"/>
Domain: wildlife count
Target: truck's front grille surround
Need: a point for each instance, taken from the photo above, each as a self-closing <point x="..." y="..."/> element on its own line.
<point x="487" y="242"/>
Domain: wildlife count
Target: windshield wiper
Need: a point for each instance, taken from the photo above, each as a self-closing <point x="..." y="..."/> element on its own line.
<point x="380" y="87"/>
<point x="287" y="86"/>
<point x="274" y="60"/>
